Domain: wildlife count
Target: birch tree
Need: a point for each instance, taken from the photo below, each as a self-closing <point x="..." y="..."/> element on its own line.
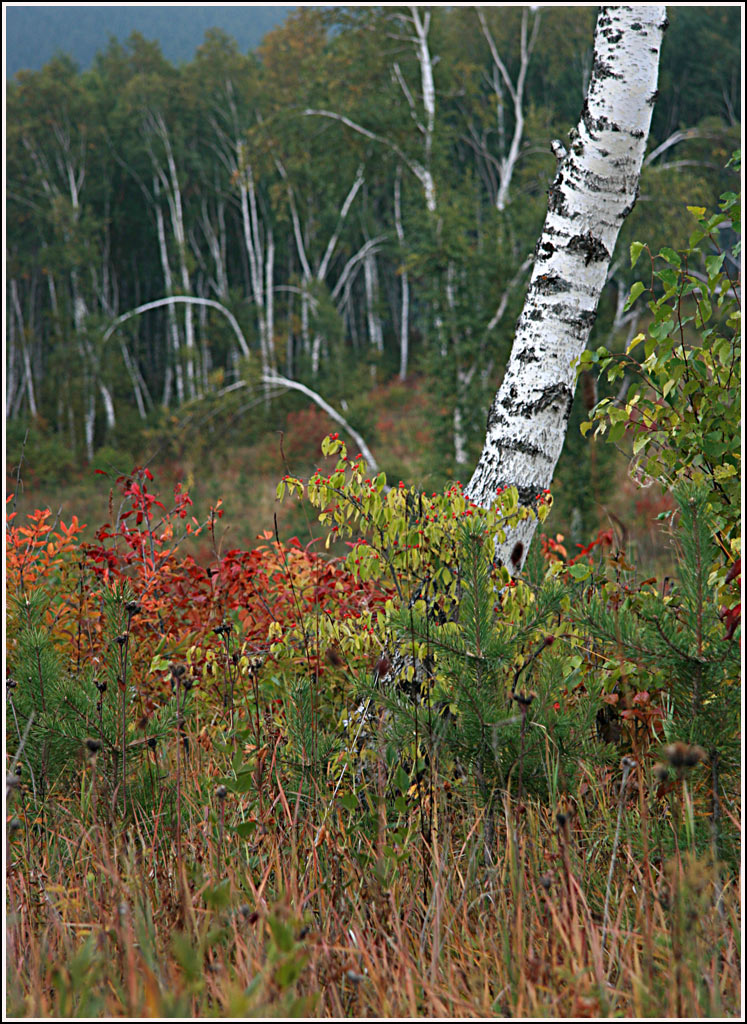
<point x="501" y="81"/>
<point x="593" y="191"/>
<point x="58" y="151"/>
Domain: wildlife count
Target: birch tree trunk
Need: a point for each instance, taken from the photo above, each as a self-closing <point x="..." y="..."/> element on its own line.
<point x="404" y="322"/>
<point x="509" y="159"/>
<point x="593" y="191"/>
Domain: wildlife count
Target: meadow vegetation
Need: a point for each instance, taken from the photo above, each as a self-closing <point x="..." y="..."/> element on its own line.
<point x="392" y="781"/>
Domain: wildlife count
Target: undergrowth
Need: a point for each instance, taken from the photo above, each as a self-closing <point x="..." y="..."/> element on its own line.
<point x="399" y="783"/>
<point x="298" y="828"/>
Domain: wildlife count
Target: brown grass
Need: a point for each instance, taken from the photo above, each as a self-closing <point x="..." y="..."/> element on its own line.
<point x="319" y="914"/>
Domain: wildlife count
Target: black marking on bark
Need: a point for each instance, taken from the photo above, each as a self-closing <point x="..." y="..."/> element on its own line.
<point x="589" y="247"/>
<point x="585" y="318"/>
<point x="528" y="410"/>
<point x="555" y="198"/>
<point x="602" y="70"/>
<point x="614" y="36"/>
<point x="575" y="319"/>
<point x="636" y="26"/>
<point x="556" y="394"/>
<point x="544" y="250"/>
<point x="494" y="413"/>
<point x="550" y="284"/>
<point x="630" y="205"/>
<point x="595" y="125"/>
<point x="518" y="551"/>
<point x="525" y="447"/>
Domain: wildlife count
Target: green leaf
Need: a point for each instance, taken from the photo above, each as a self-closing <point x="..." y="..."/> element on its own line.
<point x="714" y="263"/>
<point x="349" y="801"/>
<point x="402" y="780"/>
<point x="636" y="248"/>
<point x="635" y="291"/>
<point x="243" y="783"/>
<point x="245" y="830"/>
<point x="617" y="431"/>
<point x="671" y="256"/>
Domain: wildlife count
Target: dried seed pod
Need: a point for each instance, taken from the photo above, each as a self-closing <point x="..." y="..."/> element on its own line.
<point x="334" y="657"/>
<point x="382" y="667"/>
<point x="661" y="772"/>
<point x="693" y="755"/>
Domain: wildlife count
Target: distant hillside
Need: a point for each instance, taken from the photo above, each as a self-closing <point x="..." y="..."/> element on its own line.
<point x="35" y="34"/>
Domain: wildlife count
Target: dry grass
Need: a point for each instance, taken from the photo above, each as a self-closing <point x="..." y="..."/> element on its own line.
<point x="326" y="912"/>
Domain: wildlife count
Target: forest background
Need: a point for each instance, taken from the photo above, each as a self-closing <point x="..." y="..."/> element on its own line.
<point x="139" y="179"/>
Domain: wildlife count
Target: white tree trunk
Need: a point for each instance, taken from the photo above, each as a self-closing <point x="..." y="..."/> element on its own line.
<point x="168" y="283"/>
<point x="28" y="373"/>
<point x="371" y="279"/>
<point x="404" y="323"/>
<point x="509" y="159"/>
<point x="593" y="192"/>
<point x="156" y="124"/>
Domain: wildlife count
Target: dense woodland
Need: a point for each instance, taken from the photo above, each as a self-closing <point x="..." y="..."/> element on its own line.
<point x="363" y="194"/>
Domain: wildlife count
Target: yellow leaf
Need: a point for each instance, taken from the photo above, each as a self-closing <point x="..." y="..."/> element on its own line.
<point x="636" y="341"/>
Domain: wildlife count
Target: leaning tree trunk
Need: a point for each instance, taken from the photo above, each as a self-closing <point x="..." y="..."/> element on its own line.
<point x="593" y="191"/>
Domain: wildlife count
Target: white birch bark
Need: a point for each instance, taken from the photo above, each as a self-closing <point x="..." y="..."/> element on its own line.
<point x="68" y="166"/>
<point x="593" y="192"/>
<point x="404" y="320"/>
<point x="168" y="283"/>
<point x="27" y="370"/>
<point x="230" y="128"/>
<point x="425" y="120"/>
<point x="321" y="273"/>
<point x="508" y="159"/>
<point x="215" y="237"/>
<point x="421" y="26"/>
<point x="172" y="300"/>
<point x="371" y="279"/>
<point x="169" y="178"/>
